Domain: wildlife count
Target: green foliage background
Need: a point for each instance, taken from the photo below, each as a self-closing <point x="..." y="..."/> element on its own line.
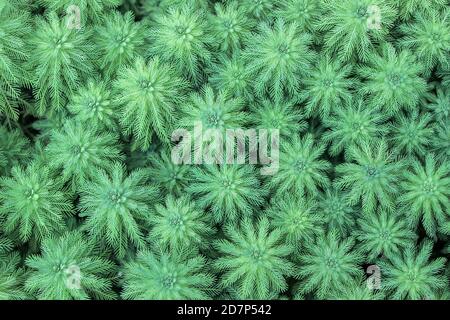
<point x="92" y="207"/>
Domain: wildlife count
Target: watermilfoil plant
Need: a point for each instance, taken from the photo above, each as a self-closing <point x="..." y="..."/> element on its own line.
<point x="224" y="149"/>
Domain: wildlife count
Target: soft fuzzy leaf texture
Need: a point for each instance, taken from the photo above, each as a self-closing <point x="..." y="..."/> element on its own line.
<point x="164" y="275"/>
<point x="411" y="274"/>
<point x="277" y="56"/>
<point x="116" y="207"/>
<point x="33" y="202"/>
<point x="182" y="36"/>
<point x="11" y="274"/>
<point x="228" y="191"/>
<point x="179" y="223"/>
<point x="148" y="92"/>
<point x="426" y="189"/>
<point x="60" y="58"/>
<point x="69" y="268"/>
<point x="77" y="149"/>
<point x="393" y="80"/>
<point x="301" y="168"/>
<point x="372" y="176"/>
<point x="348" y="100"/>
<point x="254" y="259"/>
<point x="14" y="25"/>
<point x="348" y="31"/>
<point x="429" y="36"/>
<point x="328" y="263"/>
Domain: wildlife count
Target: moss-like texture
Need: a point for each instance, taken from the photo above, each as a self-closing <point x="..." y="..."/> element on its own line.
<point x="94" y="206"/>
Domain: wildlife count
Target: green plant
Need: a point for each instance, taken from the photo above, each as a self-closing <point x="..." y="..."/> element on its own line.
<point x="228" y="191"/>
<point x="411" y="135"/>
<point x="296" y="217"/>
<point x="441" y="141"/>
<point x="254" y="259"/>
<point x="328" y="263"/>
<point x="179" y="223"/>
<point x="351" y="29"/>
<point x="14" y="26"/>
<point x="371" y="178"/>
<point x="213" y="111"/>
<point x="61" y="59"/>
<point x="170" y="177"/>
<point x="353" y="125"/>
<point x="148" y="94"/>
<point x="301" y="169"/>
<point x="328" y="86"/>
<point x="182" y="36"/>
<point x="13" y="149"/>
<point x="429" y="36"/>
<point x="230" y="25"/>
<point x="259" y="9"/>
<point x="281" y="115"/>
<point x="116" y="206"/>
<point x="356" y="289"/>
<point x="338" y="215"/>
<point x="69" y="268"/>
<point x="426" y="193"/>
<point x="408" y="8"/>
<point x="392" y="80"/>
<point x="278" y="57"/>
<point x="412" y="276"/>
<point x="135" y="139"/>
<point x="383" y="233"/>
<point x="33" y="203"/>
<point x="11" y="274"/>
<point x="94" y="104"/>
<point x="231" y="76"/>
<point x="305" y="13"/>
<point x="166" y="276"/>
<point x="77" y="150"/>
<point x="439" y="105"/>
<point x="119" y="40"/>
<point x="91" y="9"/>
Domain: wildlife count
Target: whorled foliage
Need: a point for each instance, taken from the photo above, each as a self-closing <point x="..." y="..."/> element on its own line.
<point x="149" y="93"/>
<point x="278" y="57"/>
<point x="178" y="223"/>
<point x="227" y="191"/>
<point x="117" y="206"/>
<point x="301" y="167"/>
<point x="14" y="26"/>
<point x="60" y="59"/>
<point x="426" y="193"/>
<point x="328" y="86"/>
<point x="119" y="40"/>
<point x="166" y="276"/>
<point x="412" y="276"/>
<point x="33" y="203"/>
<point x="392" y="80"/>
<point x="254" y="259"/>
<point x="78" y="149"/>
<point x="354" y="27"/>
<point x="182" y="36"/>
<point x="224" y="149"/>
<point x="69" y="268"/>
<point x="429" y="36"/>
<point x="371" y="177"/>
<point x="328" y="262"/>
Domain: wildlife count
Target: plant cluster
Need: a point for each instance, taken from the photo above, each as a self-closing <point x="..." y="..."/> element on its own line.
<point x="92" y="205"/>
